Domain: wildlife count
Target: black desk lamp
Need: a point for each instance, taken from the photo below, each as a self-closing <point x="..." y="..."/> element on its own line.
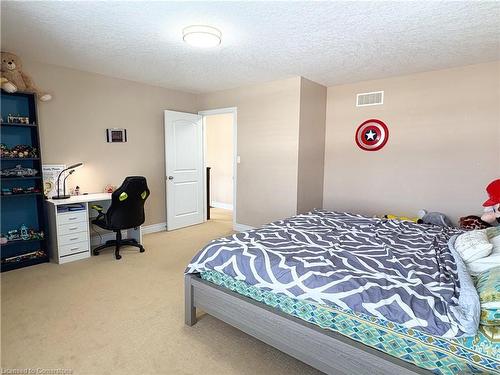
<point x="71" y="169"/>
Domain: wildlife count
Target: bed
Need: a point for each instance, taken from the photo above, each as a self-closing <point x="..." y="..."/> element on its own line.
<point x="347" y="294"/>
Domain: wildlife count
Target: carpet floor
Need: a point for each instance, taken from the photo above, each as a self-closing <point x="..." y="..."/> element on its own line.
<point x="102" y="316"/>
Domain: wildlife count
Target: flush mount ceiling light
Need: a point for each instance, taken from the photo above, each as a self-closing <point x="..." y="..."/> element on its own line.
<point x="201" y="36"/>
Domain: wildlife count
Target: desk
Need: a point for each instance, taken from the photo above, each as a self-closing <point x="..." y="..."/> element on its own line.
<point x="69" y="231"/>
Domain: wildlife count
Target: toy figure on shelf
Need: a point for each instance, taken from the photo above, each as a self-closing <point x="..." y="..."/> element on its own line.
<point x="31" y="190"/>
<point x="13" y="235"/>
<point x="19" y="258"/>
<point x="18" y="171"/>
<point x="34" y="235"/>
<point x="24" y="120"/>
<point x="20" y="190"/>
<point x="19" y="151"/>
<point x="23" y="234"/>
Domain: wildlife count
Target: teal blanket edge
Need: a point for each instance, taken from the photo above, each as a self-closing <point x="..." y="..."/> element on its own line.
<point x="472" y="355"/>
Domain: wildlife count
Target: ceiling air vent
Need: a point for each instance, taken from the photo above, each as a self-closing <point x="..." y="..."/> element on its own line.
<point x="370" y="98"/>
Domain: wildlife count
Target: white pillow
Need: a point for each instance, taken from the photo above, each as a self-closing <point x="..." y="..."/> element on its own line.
<point x="484" y="264"/>
<point x="494" y="238"/>
<point x="473" y="245"/>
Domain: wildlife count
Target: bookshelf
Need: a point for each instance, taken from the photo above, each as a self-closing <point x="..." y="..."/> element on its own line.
<point x="22" y="201"/>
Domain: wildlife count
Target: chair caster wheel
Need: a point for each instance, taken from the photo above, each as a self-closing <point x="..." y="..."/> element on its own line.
<point x="95" y="253"/>
<point x="142" y="250"/>
<point x="118" y="257"/>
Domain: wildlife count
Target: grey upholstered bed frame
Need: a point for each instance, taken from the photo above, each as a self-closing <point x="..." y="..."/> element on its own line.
<point x="325" y="350"/>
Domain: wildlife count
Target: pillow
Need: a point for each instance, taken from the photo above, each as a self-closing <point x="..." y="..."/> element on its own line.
<point x="488" y="288"/>
<point x="492" y="333"/>
<point x="494" y="238"/>
<point x="490" y="317"/>
<point x="484" y="264"/>
<point x="473" y="245"/>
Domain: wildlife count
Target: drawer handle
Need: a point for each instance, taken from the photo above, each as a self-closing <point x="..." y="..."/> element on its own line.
<point x="73" y="239"/>
<point x="74" y="248"/>
<point x="73" y="228"/>
<point x="72" y="218"/>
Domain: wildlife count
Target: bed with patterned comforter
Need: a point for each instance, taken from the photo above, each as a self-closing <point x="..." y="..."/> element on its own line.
<point x="395" y="272"/>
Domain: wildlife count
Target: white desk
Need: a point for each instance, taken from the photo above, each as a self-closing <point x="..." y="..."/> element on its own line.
<point x="69" y="231"/>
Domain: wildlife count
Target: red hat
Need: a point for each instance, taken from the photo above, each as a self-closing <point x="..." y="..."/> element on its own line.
<point x="493" y="190"/>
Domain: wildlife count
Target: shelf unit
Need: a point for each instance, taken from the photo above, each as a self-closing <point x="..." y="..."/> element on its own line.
<point x="23" y="208"/>
<point x="18" y="159"/>
<point x="15" y="195"/>
<point x="7" y="125"/>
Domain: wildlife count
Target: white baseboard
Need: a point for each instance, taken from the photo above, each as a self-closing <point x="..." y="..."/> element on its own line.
<point x="224" y="206"/>
<point x="153" y="228"/>
<point x="242" y="227"/>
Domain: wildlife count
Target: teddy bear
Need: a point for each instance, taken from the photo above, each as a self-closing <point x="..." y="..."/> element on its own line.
<point x="13" y="79"/>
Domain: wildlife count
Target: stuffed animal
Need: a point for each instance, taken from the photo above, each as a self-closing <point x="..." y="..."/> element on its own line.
<point x="434" y="218"/>
<point x="491" y="214"/>
<point x="492" y="205"/>
<point x="402" y="218"/>
<point x="472" y="222"/>
<point x="13" y="79"/>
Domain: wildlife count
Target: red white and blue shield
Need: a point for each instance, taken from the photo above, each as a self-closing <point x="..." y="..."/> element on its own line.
<point x="372" y="135"/>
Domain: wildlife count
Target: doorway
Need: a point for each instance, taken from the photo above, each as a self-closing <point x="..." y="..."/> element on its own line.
<point x="219" y="133"/>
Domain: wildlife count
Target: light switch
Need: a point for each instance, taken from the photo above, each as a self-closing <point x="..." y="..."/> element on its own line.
<point x="238" y="159"/>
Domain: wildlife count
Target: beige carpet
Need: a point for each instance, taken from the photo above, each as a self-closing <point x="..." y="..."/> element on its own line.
<point x="102" y="316"/>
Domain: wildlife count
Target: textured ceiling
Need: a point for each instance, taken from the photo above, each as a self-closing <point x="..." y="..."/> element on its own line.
<point x="327" y="42"/>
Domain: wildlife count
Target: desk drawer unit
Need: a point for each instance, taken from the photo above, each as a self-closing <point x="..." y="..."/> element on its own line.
<point x="72" y="238"/>
<point x="73" y="248"/>
<point x="71" y="217"/>
<point x="81" y="226"/>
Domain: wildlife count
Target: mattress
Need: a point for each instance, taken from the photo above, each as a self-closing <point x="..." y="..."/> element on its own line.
<point x="470" y="355"/>
<point x="400" y="271"/>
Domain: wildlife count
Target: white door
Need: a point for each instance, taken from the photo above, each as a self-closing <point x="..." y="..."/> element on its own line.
<point x="184" y="169"/>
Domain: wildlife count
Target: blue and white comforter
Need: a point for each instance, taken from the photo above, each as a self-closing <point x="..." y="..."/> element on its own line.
<point x="400" y="271"/>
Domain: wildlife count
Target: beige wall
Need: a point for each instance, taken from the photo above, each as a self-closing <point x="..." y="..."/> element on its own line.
<point x="444" y="144"/>
<point x="219" y="156"/>
<point x="73" y="128"/>
<point x="443" y="149"/>
<point x="311" y="146"/>
<point x="267" y="141"/>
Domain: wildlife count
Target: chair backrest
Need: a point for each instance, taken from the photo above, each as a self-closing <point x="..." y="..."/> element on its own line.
<point x="127" y="204"/>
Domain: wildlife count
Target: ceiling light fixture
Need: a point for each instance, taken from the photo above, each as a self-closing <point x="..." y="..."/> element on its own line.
<point x="202" y="36"/>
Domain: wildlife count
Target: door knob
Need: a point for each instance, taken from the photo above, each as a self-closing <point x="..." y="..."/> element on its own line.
<point x="170" y="177"/>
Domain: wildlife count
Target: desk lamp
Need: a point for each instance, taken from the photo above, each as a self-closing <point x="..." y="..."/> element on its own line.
<point x="71" y="169"/>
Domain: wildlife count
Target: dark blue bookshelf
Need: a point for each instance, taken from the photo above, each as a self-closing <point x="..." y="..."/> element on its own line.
<point x="21" y="208"/>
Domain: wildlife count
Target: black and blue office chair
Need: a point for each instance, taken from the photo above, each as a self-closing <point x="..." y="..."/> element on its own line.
<point x="126" y="212"/>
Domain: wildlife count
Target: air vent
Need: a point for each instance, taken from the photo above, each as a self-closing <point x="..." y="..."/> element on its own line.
<point x="370" y="98"/>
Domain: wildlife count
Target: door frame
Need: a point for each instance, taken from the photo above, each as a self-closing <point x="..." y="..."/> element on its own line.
<point x="219" y="111"/>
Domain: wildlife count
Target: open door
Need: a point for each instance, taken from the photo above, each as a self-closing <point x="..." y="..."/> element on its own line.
<point x="184" y="169"/>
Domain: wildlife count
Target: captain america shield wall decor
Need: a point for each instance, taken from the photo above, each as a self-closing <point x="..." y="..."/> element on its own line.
<point x="372" y="135"/>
